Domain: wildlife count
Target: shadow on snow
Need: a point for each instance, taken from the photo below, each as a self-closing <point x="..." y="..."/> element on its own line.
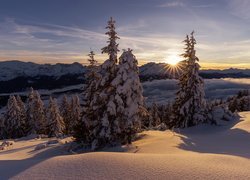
<point x="222" y="139"/>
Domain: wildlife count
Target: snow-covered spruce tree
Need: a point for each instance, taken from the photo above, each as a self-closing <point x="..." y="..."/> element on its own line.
<point x="65" y="111"/>
<point x="56" y="125"/>
<point x="40" y="114"/>
<point x="22" y="107"/>
<point x="92" y="76"/>
<point x="36" y="114"/>
<point x="83" y="128"/>
<point x="14" y="124"/>
<point x="128" y="100"/>
<point x="189" y="108"/>
<point x="75" y="112"/>
<point x="29" y="112"/>
<point x="101" y="115"/>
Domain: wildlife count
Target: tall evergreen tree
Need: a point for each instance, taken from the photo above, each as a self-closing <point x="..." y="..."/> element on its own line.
<point x="100" y="117"/>
<point x="84" y="127"/>
<point x="14" y="124"/>
<point x="92" y="77"/>
<point x="105" y="127"/>
<point x="30" y="111"/>
<point x="128" y="98"/>
<point x="22" y="107"/>
<point x="56" y="125"/>
<point x="75" y="112"/>
<point x="65" y="111"/>
<point x="36" y="114"/>
<point x="190" y="105"/>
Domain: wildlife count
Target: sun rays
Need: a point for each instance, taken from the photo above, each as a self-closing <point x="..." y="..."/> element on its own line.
<point x="175" y="69"/>
<point x="173" y="59"/>
<point x="174" y="65"/>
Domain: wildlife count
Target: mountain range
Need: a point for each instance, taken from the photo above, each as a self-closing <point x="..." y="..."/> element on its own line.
<point x="18" y="76"/>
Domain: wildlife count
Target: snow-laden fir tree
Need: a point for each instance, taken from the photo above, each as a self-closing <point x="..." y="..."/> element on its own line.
<point x="101" y="115"/>
<point x="30" y="111"/>
<point x="128" y="101"/>
<point x="40" y="114"/>
<point x="83" y="128"/>
<point x="36" y="114"/>
<point x="190" y="105"/>
<point x="14" y="122"/>
<point x="22" y="107"/>
<point x="92" y="77"/>
<point x="56" y="125"/>
<point x="65" y="111"/>
<point x="75" y="112"/>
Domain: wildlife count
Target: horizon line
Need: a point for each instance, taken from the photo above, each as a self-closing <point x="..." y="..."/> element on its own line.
<point x="204" y="66"/>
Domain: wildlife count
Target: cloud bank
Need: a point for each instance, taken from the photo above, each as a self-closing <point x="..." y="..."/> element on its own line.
<point x="163" y="91"/>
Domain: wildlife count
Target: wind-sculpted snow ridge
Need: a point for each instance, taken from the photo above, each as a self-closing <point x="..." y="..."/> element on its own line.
<point x="202" y="152"/>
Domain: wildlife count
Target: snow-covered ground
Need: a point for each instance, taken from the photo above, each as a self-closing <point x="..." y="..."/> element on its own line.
<point x="203" y="152"/>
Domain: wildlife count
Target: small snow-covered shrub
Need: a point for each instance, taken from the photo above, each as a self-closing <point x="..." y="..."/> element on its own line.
<point x="40" y="146"/>
<point x="220" y="113"/>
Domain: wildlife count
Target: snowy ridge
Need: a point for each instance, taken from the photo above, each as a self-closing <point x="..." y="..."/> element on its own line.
<point x="13" y="69"/>
<point x="228" y="71"/>
<point x="164" y="71"/>
<point x="154" y="69"/>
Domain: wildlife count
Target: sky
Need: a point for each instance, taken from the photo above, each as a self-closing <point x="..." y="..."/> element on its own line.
<point x="64" y="31"/>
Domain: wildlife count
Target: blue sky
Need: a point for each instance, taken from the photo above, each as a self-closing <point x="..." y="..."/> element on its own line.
<point x="51" y="31"/>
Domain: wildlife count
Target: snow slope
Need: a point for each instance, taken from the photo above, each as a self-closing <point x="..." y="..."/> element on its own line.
<point x="203" y="152"/>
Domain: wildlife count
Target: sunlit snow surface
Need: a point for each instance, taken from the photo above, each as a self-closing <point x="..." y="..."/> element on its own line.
<point x="203" y="152"/>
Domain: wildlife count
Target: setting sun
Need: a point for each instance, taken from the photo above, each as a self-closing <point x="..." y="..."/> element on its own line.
<point x="173" y="59"/>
